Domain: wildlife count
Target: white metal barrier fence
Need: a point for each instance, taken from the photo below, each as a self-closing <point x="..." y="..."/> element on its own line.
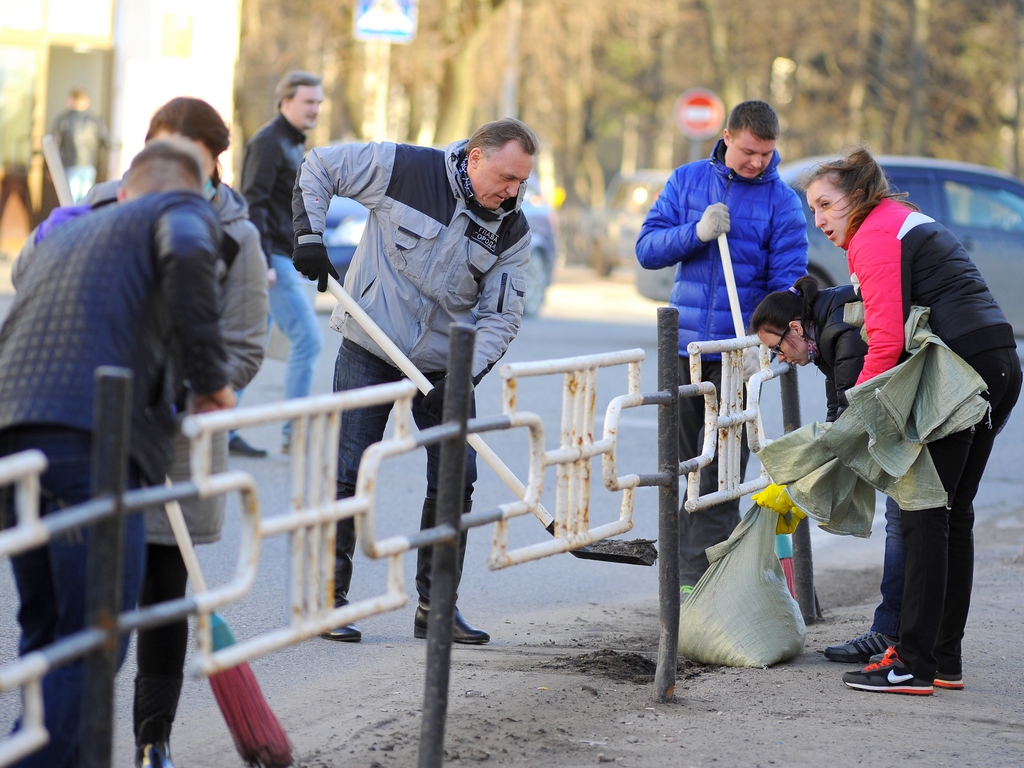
<point x="313" y="510"/>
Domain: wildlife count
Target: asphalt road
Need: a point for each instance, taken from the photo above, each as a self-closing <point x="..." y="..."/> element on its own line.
<point x="583" y="315"/>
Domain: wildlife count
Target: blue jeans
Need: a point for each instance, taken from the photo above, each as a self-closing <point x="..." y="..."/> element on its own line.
<point x="81" y="179"/>
<point x="51" y="580"/>
<point x="887" y="614"/>
<point x="361" y="428"/>
<point x="293" y="312"/>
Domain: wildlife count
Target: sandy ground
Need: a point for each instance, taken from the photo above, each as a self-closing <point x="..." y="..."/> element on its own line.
<point x="577" y="690"/>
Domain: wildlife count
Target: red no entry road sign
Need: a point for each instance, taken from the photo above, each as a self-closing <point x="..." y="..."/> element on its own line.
<point x="699" y="113"/>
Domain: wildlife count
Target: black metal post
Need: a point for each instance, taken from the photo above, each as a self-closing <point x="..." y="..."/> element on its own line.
<point x="668" y="503"/>
<point x="105" y="561"/>
<point x="443" y="584"/>
<point x="803" y="566"/>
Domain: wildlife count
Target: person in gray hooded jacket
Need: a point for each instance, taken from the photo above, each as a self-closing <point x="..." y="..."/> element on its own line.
<point x="243" y="325"/>
<point x="445" y="242"/>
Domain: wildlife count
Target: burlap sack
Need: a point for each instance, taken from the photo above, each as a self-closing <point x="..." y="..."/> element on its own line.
<point x="740" y="613"/>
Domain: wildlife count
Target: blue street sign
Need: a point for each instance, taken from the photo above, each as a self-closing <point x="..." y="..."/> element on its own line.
<point x="388" y="21"/>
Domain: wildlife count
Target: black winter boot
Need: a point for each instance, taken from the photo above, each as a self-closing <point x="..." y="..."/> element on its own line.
<point x="463" y="631"/>
<point x="156" y="703"/>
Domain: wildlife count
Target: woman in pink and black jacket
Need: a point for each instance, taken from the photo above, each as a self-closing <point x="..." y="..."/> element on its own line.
<point x="900" y="257"/>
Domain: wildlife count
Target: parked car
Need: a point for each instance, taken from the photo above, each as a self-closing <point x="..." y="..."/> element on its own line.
<point x="343" y="229"/>
<point x="346" y="220"/>
<point x="610" y="232"/>
<point x="983" y="207"/>
<point x="544" y="247"/>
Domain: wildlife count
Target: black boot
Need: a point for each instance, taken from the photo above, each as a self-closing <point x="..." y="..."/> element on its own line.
<point x="156" y="703"/>
<point x="463" y="631"/>
<point x="344" y="548"/>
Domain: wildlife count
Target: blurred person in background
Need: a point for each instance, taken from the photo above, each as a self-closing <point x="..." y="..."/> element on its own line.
<point x="271" y="162"/>
<point x="82" y="140"/>
<point x="737" y="191"/>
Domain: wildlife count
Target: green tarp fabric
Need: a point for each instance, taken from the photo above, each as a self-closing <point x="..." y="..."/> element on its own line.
<point x="831" y="471"/>
<point x="740" y="613"/>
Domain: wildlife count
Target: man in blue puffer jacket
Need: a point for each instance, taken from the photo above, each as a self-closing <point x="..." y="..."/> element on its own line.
<point x="738" y="192"/>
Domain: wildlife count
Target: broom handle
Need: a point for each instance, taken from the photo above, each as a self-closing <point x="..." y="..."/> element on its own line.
<point x="60" y="179"/>
<point x="406" y="366"/>
<point x="188" y="551"/>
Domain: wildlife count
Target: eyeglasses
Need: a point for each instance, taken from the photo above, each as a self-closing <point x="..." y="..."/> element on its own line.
<point x="777" y="349"/>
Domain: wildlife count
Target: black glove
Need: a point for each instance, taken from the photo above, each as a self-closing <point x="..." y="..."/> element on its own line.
<point x="311" y="259"/>
<point x="433" y="401"/>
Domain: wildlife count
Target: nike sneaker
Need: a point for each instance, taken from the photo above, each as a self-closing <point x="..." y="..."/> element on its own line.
<point x="890" y="675"/>
<point x="860" y="649"/>
<point x="950" y="680"/>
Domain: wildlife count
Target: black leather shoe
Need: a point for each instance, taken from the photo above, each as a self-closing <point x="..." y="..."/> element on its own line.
<point x="238" y="447"/>
<point x="347" y="634"/>
<point x="462" y="631"/>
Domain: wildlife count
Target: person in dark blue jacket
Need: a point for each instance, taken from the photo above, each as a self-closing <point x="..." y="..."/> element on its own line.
<point x="132" y="285"/>
<point x="739" y="192"/>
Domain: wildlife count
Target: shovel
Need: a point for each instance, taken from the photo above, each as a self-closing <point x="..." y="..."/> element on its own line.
<point x="783" y="542"/>
<point x="639" y="552"/>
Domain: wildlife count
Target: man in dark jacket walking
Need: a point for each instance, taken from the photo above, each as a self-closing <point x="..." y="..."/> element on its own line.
<point x="132" y="285"/>
<point x="82" y="140"/>
<point x="271" y="162"/>
<point x="737" y="192"/>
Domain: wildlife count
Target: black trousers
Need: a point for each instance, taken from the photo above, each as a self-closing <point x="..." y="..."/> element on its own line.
<point x="940" y="541"/>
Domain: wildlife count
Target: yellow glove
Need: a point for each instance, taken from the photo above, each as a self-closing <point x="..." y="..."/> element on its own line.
<point x="776" y="497"/>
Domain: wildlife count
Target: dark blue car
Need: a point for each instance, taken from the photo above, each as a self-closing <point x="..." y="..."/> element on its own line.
<point x="346" y="220"/>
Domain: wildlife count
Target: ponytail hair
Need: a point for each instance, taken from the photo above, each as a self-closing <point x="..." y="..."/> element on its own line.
<point x="859" y="177"/>
<point x="779" y="308"/>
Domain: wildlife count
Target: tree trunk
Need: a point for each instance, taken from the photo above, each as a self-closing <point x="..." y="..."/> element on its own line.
<point x="458" y="87"/>
<point x="855" y="129"/>
<point x="917" y="139"/>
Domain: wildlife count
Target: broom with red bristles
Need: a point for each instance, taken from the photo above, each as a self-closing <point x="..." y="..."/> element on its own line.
<point x="258" y="735"/>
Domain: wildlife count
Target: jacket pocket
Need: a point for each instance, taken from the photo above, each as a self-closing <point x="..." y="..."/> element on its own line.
<point x="464" y="285"/>
<point x="410" y="240"/>
<point x="513" y="294"/>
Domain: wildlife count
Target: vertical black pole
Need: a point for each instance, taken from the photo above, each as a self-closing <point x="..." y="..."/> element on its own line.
<point x="105" y="561"/>
<point x="443" y="584"/>
<point x="668" y="503"/>
<point x="803" y="567"/>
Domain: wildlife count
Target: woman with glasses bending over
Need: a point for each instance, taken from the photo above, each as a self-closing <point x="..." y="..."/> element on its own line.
<point x="806" y="325"/>
<point x="899" y="257"/>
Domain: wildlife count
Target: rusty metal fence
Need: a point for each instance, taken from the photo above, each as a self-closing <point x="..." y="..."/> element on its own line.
<point x="313" y="510"/>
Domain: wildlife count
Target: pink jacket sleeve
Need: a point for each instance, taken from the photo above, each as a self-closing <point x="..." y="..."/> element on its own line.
<point x="875" y="258"/>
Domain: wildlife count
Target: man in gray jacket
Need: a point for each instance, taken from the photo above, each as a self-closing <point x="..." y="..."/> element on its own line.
<point x="445" y="242"/>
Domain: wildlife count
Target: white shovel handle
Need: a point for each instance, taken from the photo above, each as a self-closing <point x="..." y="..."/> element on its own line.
<point x="730" y="286"/>
<point x="406" y="366"/>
